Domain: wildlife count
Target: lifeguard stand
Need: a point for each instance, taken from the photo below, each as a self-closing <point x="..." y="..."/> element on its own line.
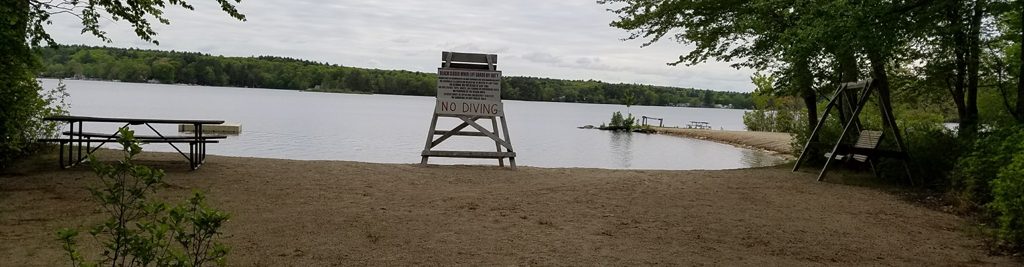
<point x="469" y="89"/>
<point x="850" y="99"/>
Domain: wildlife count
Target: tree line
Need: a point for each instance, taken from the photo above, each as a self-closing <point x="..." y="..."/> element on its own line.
<point x="136" y="65"/>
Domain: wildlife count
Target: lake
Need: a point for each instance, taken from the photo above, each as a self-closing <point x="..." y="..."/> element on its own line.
<point x="300" y="125"/>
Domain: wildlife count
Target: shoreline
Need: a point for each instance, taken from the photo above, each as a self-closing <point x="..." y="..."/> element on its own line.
<point x="776" y="143"/>
<point x="349" y="92"/>
<point x="314" y="213"/>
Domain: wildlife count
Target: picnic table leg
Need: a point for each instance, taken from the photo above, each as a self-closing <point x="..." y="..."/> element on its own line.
<point x="200" y="155"/>
<point x="202" y="152"/>
<point x="71" y="126"/>
<point x="79" y="144"/>
<point x="60" y="159"/>
<point x="199" y="145"/>
<point x="192" y="156"/>
<point x="71" y="148"/>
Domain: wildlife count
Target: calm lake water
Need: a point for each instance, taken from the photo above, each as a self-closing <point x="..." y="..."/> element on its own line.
<point x="392" y="129"/>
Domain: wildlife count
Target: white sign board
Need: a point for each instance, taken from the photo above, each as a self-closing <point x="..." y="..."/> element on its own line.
<point x="469" y="92"/>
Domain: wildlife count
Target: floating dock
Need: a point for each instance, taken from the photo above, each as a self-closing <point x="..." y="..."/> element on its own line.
<point x="229" y="128"/>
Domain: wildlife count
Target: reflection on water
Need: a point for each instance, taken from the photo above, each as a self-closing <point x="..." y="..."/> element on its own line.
<point x="392" y="129"/>
<point x="621" y="144"/>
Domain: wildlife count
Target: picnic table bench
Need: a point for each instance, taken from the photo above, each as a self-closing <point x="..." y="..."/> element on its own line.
<point x="698" y="125"/>
<point x="78" y="142"/>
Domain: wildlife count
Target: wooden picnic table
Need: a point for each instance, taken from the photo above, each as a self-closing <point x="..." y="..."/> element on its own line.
<point x="77" y="140"/>
<point x="699" y="125"/>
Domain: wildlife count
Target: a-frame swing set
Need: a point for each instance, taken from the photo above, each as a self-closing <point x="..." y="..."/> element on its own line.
<point x="850" y="99"/>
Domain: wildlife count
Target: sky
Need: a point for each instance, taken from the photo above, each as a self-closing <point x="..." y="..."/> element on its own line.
<point x="563" y="39"/>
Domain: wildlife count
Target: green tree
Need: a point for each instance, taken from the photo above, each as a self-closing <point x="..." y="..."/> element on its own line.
<point x="164" y="70"/>
<point x="629" y="100"/>
<point x="771" y="113"/>
<point x="20" y="101"/>
<point x="759" y="33"/>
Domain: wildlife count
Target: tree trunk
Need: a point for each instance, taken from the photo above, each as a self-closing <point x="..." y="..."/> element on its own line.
<point x="847" y="66"/>
<point x="1019" y="112"/>
<point x="961" y="53"/>
<point x="973" y="62"/>
<point x="881" y="78"/>
<point x="849" y="73"/>
<point x="804" y="82"/>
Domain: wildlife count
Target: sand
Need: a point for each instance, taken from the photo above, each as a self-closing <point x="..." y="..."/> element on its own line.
<point x="317" y="213"/>
<point x="780" y="143"/>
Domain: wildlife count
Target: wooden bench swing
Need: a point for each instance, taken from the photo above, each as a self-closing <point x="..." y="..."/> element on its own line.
<point x="850" y="99"/>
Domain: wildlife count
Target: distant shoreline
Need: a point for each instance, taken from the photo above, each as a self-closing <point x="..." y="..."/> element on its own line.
<point x="353" y="92"/>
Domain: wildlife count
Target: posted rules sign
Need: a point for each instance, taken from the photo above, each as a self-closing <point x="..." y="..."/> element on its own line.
<point x="469" y="92"/>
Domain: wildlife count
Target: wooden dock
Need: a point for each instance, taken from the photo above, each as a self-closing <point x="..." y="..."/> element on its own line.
<point x="228" y="128"/>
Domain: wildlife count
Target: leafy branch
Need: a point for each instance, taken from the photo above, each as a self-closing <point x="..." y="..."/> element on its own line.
<point x="140" y="231"/>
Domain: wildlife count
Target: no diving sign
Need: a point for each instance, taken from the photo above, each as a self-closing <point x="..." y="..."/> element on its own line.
<point x="469" y="92"/>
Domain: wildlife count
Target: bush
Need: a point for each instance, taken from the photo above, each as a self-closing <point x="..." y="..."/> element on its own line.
<point x="786" y="121"/>
<point x="619" y="123"/>
<point x="987" y="156"/>
<point x="934" y="151"/>
<point x="826" y="138"/>
<point x="772" y="112"/>
<point x="616" y="119"/>
<point x="991" y="176"/>
<point x="23" y="105"/>
<point x="1008" y="201"/>
<point x="141" y="231"/>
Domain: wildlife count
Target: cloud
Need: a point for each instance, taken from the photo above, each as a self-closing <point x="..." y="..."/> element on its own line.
<point x="540" y="57"/>
<point x="592" y="63"/>
<point x="402" y="40"/>
<point x="567" y="39"/>
<point x="473" y="47"/>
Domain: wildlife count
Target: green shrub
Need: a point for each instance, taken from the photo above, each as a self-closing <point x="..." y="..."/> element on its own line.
<point x="629" y="122"/>
<point x="786" y="121"/>
<point x="934" y="152"/>
<point x="1008" y="201"/>
<point x="619" y="123"/>
<point x="991" y="176"/>
<point x="141" y="231"/>
<point x="976" y="169"/>
<point x="774" y="111"/>
<point x="23" y="105"/>
<point x="826" y="139"/>
<point x="616" y="119"/>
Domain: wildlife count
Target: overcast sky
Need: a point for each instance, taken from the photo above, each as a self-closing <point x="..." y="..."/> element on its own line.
<point x="565" y="39"/>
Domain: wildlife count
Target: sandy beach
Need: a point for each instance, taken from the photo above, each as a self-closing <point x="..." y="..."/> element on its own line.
<point x="780" y="143"/>
<point x="316" y="213"/>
